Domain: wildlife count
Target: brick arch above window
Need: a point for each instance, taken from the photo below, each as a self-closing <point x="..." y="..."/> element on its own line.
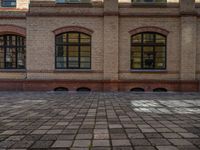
<point x="149" y="29"/>
<point x="12" y="29"/>
<point x="73" y="28"/>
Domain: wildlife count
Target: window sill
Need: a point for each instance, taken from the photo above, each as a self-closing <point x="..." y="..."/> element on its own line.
<point x="149" y="4"/>
<point x="73" y="70"/>
<point x="73" y="4"/>
<point x="13" y="70"/>
<point x="147" y="71"/>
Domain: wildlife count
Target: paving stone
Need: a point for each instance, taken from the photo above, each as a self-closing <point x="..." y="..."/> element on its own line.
<point x="118" y="136"/>
<point x="152" y="135"/>
<point x="23" y="144"/>
<point x="32" y="137"/>
<point x="186" y="147"/>
<point x="122" y="148"/>
<point x="121" y="142"/>
<point x="9" y="132"/>
<point x="156" y="142"/>
<point x="144" y="148"/>
<point x="171" y="135"/>
<point x="82" y="143"/>
<point x="84" y="136"/>
<point x="167" y="148"/>
<point x="103" y="143"/>
<point x="180" y="142"/>
<point x="140" y="142"/>
<point x="136" y="136"/>
<point x="100" y="148"/>
<point x="42" y="144"/>
<point x="115" y="126"/>
<point x="61" y="144"/>
<point x="39" y="132"/>
<point x="6" y="144"/>
<point x="54" y="131"/>
<point x="188" y="135"/>
<point x="15" y="138"/>
<point x="101" y="136"/>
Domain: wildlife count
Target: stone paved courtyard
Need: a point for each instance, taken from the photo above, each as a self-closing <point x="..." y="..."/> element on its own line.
<point x="99" y="121"/>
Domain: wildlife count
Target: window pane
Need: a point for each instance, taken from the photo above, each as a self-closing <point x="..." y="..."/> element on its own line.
<point x="85" y="48"/>
<point x="148" y="38"/>
<point x="148" y="57"/>
<point x="8" y="3"/>
<point x="61" y="65"/>
<point x="61" y="39"/>
<point x="73" y="51"/>
<point x="85" y="54"/>
<point x="160" y="49"/>
<point x="73" y="37"/>
<point x="61" y="51"/>
<point x="1" y="58"/>
<point x="85" y="65"/>
<point x="10" y="58"/>
<point x="85" y="59"/>
<point x="84" y="38"/>
<point x="1" y="41"/>
<point x="136" y="49"/>
<point x="160" y="39"/>
<point x="137" y="38"/>
<point x="160" y="63"/>
<point x="136" y="57"/>
<point x="73" y="64"/>
<point x="136" y="65"/>
<point x="21" y="58"/>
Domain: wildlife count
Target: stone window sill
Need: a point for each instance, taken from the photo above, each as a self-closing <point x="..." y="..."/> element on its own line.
<point x="149" y="4"/>
<point x="147" y="71"/>
<point x="73" y="70"/>
<point x="13" y="70"/>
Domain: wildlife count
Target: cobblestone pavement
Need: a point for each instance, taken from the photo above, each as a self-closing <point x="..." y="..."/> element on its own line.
<point x="100" y="121"/>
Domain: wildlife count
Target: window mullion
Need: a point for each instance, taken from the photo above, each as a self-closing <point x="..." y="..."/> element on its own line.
<point x="5" y="43"/>
<point x="79" y="53"/>
<point x="142" y="48"/>
<point x="16" y="52"/>
<point x="67" y="52"/>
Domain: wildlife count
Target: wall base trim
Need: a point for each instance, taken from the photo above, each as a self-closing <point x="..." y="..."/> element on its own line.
<point x="72" y="85"/>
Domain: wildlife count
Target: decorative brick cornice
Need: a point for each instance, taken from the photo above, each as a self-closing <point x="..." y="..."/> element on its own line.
<point x="73" y="28"/>
<point x="6" y="28"/>
<point x="149" y="29"/>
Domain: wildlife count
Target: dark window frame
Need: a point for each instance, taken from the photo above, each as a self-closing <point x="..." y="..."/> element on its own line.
<point x="3" y="4"/>
<point x="79" y="51"/>
<point x="5" y="46"/>
<point x="142" y="45"/>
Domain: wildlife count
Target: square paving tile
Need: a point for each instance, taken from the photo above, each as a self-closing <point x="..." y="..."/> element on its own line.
<point x="62" y="144"/>
<point x="99" y="121"/>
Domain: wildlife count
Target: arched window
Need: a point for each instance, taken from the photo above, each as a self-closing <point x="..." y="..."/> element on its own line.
<point x="12" y="52"/>
<point x="148" y="51"/>
<point x="73" y="51"/>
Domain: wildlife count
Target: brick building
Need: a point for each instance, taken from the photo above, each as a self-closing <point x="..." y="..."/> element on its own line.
<point x="110" y="45"/>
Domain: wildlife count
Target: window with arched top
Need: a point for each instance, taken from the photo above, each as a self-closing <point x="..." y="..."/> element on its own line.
<point x="12" y="52"/>
<point x="148" y="51"/>
<point x="73" y="51"/>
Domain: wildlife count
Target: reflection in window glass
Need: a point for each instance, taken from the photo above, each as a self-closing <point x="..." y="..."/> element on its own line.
<point x="75" y="53"/>
<point x="148" y="51"/>
<point x="8" y="3"/>
<point x="12" y="52"/>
